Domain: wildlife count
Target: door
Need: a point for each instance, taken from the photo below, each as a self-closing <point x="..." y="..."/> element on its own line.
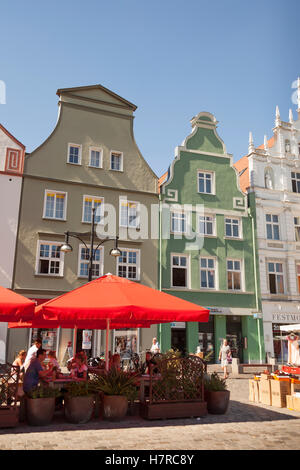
<point x="178" y="339"/>
<point x="234" y="336"/>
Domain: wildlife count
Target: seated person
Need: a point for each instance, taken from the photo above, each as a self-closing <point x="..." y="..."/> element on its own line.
<point x="19" y="361"/>
<point x="79" y="369"/>
<point x="35" y="371"/>
<point x="147" y="364"/>
<point x="115" y="362"/>
<point x="53" y="364"/>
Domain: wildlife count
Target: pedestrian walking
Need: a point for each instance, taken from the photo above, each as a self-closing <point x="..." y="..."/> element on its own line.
<point x="224" y="357"/>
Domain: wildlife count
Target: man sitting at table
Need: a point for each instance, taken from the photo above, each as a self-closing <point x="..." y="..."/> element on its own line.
<point x="148" y="363"/>
<point x="35" y="371"/>
<point x="79" y="369"/>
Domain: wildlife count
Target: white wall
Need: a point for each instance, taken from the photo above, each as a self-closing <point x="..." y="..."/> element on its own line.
<point x="6" y="142"/>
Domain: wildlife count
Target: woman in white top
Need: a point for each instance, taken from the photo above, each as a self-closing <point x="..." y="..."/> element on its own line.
<point x="224" y="354"/>
<point x="155" y="346"/>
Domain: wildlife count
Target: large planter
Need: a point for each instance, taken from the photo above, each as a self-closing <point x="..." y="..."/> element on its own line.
<point x="79" y="410"/>
<point x="217" y="402"/>
<point x="115" y="407"/>
<point x="40" y="411"/>
<point x="8" y="417"/>
<point x="167" y="410"/>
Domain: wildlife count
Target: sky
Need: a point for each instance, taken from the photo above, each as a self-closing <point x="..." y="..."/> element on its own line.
<point x="172" y="58"/>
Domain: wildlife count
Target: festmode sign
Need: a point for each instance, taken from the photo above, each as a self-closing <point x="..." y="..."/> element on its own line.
<point x="286" y="317"/>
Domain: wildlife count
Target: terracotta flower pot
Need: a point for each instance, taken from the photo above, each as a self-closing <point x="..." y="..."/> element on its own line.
<point x="79" y="410"/>
<point x="40" y="411"/>
<point x="217" y="402"/>
<point x="115" y="407"/>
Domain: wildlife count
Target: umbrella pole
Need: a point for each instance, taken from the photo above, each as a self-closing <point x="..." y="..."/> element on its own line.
<point x="74" y="340"/>
<point x="107" y="345"/>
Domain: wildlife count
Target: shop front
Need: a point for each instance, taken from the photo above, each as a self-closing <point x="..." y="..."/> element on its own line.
<point x="275" y="315"/>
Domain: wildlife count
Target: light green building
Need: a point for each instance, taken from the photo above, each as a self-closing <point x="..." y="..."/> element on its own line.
<point x="216" y="266"/>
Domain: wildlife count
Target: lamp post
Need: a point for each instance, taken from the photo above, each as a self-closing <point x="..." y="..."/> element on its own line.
<point x="67" y="248"/>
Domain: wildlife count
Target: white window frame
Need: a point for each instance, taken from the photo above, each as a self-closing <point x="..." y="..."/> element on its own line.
<point x="110" y="163"/>
<point x="100" y="263"/>
<point x="274" y="261"/>
<point x="79" y="146"/>
<point x="272" y="223"/>
<point x="240" y="236"/>
<point x="215" y="269"/>
<point x="38" y="258"/>
<point x="297" y="275"/>
<point x="52" y="191"/>
<point x="96" y="149"/>
<point x="206" y="172"/>
<point x="127" y="265"/>
<point x="186" y="221"/>
<point x="213" y="221"/>
<point x="94" y="198"/>
<point x="138" y="212"/>
<point x="295" y="227"/>
<point x="241" y="271"/>
<point x="187" y="257"/>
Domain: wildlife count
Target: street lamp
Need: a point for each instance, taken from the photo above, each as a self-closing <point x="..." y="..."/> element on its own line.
<point x="67" y="248"/>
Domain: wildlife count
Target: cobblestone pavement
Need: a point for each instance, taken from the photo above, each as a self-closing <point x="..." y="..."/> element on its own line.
<point x="245" y="426"/>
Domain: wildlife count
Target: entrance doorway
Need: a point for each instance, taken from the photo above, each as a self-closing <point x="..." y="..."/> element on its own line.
<point x="234" y="336"/>
<point x="178" y="339"/>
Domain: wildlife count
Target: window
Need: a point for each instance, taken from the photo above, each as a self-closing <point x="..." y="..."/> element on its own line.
<point x="49" y="259"/>
<point x="205" y="182"/>
<point x="207" y="273"/>
<point x="297" y="228"/>
<point x="234" y="275"/>
<point x="129" y="264"/>
<point x="129" y="214"/>
<point x="97" y="267"/>
<point x="179" y="271"/>
<point x="232" y="228"/>
<point x="116" y="161"/>
<point x="206" y="225"/>
<point x="95" y="157"/>
<point x="272" y="223"/>
<point x="275" y="271"/>
<point x="295" y="182"/>
<point x="55" y="205"/>
<point x="178" y="222"/>
<point x="287" y="146"/>
<point x="74" y="154"/>
<point x="88" y="203"/>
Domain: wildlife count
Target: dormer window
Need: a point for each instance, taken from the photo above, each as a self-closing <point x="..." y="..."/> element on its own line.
<point x="205" y="182"/>
<point x="116" y="161"/>
<point x="74" y="154"/>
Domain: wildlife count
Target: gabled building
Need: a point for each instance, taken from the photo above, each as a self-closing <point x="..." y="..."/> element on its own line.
<point x="12" y="154"/>
<point x="270" y="174"/>
<point x="90" y="160"/>
<point x="209" y="257"/>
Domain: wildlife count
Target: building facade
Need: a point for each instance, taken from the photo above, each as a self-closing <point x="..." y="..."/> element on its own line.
<point x="209" y="256"/>
<point x="90" y="160"/>
<point x="270" y="174"/>
<point x="12" y="154"/>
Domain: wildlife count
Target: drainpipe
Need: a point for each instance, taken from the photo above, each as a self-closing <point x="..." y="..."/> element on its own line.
<point x="160" y="257"/>
<point x="255" y="281"/>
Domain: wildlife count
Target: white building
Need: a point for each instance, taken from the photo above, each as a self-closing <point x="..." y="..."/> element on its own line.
<point x="272" y="172"/>
<point x="12" y="154"/>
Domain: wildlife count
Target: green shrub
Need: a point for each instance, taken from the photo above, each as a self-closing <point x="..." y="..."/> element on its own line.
<point x="42" y="391"/>
<point x="214" y="383"/>
<point x="80" y="389"/>
<point x="115" y="382"/>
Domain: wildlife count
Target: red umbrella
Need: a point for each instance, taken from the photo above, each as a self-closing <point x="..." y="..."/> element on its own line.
<point x="113" y="302"/>
<point x="14" y="307"/>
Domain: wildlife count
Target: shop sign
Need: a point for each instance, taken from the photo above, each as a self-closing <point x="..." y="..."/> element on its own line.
<point x="286" y="317"/>
<point x="178" y="324"/>
<point x="87" y="339"/>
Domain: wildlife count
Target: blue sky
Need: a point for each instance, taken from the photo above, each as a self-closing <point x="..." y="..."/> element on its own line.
<point x="172" y="58"/>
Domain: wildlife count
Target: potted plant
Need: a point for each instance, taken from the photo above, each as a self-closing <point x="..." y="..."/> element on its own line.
<point x="216" y="394"/>
<point x="40" y="405"/>
<point x="117" y="387"/>
<point x="79" y="402"/>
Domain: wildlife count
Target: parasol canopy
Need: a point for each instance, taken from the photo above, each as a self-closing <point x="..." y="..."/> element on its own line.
<point x="14" y="307"/>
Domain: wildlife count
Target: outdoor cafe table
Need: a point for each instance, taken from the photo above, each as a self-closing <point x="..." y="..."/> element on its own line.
<point x="60" y="382"/>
